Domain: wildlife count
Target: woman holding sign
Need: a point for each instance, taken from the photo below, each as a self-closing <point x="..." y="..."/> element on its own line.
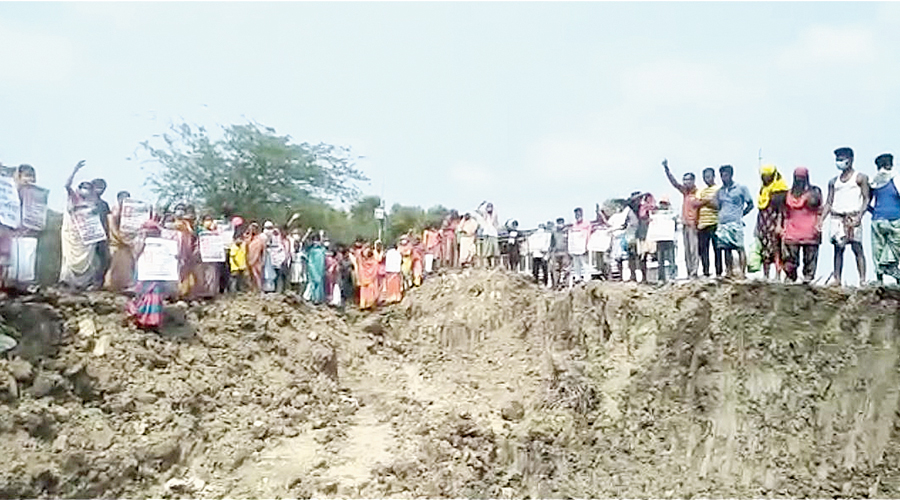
<point x="81" y="231"/>
<point x="146" y="307"/>
<point x="121" y="245"/>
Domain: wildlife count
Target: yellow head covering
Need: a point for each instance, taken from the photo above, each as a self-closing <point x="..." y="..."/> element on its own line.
<point x="776" y="186"/>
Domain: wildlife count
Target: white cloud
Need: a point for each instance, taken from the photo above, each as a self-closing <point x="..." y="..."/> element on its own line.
<point x="679" y="84"/>
<point x="29" y="56"/>
<point x="472" y="174"/>
<point x="831" y="46"/>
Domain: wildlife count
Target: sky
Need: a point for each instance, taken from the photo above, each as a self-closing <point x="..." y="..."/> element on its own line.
<point x="538" y="107"/>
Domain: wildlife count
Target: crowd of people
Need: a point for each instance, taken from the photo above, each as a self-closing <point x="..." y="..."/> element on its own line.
<point x="155" y="253"/>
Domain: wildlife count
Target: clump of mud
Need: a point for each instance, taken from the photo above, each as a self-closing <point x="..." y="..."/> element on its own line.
<point x="95" y="407"/>
<point x="694" y="389"/>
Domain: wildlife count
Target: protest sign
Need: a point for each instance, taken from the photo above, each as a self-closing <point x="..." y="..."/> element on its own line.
<point x="577" y="242"/>
<point x="168" y="234"/>
<point x="662" y="227"/>
<point x="600" y="241"/>
<point x="34" y="207"/>
<point x="134" y="214"/>
<point x="22" y="258"/>
<point x="158" y="261"/>
<point x="87" y="224"/>
<point x="226" y="230"/>
<point x="10" y="208"/>
<point x="211" y="248"/>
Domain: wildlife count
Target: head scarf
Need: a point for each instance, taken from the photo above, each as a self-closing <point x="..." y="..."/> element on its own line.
<point x="776" y="186"/>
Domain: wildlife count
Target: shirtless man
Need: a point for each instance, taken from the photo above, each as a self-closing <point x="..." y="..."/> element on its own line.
<point x="848" y="198"/>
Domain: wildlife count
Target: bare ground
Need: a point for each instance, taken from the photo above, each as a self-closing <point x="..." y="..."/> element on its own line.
<point x="478" y="384"/>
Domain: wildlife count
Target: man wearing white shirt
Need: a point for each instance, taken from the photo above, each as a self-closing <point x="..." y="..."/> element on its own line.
<point x="490" y="232"/>
<point x="579" y="234"/>
<point x="539" y="246"/>
<point x="662" y="232"/>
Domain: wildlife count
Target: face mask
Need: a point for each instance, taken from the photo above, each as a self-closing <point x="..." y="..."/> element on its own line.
<point x="842" y="164"/>
<point x="84" y="192"/>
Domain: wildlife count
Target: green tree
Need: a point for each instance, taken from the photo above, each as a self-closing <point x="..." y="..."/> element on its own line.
<point x="405" y="219"/>
<point x="253" y="170"/>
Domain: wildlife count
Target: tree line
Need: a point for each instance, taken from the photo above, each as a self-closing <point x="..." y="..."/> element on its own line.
<point x="254" y="172"/>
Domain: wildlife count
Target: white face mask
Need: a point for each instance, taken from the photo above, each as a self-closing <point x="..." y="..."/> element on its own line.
<point x="842" y="164"/>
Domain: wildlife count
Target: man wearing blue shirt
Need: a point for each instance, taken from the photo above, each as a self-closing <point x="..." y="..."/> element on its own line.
<point x="885" y="210"/>
<point x="733" y="202"/>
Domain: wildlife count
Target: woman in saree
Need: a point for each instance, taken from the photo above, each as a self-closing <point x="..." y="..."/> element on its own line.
<point x="418" y="262"/>
<point x="378" y="255"/>
<point x="431" y="240"/>
<point x="406" y="262"/>
<point x="120" y="276"/>
<point x="256" y="250"/>
<point x="80" y="262"/>
<point x="315" y="271"/>
<point x="368" y="279"/>
<point x="146" y="306"/>
<point x="393" y="281"/>
<point x="332" y="275"/>
<point x="187" y="251"/>
<point x="206" y="274"/>
<point x="770" y="219"/>
<point x="449" y="250"/>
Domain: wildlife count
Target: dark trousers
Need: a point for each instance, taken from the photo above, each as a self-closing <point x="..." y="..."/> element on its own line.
<point x="791" y="259"/>
<point x="665" y="259"/>
<point x="539" y="270"/>
<point x="706" y="238"/>
<point x="513" y="259"/>
<point x="103" y="253"/>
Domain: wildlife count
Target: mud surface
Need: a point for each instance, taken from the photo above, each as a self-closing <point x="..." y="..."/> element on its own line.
<point x="477" y="384"/>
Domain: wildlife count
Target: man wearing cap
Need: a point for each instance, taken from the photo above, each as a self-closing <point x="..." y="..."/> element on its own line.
<point x="848" y="199"/>
<point x="801" y="232"/>
<point x="689" y="217"/>
<point x="885" y="210"/>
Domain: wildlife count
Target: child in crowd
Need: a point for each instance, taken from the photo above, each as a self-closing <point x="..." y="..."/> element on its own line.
<point x="237" y="260"/>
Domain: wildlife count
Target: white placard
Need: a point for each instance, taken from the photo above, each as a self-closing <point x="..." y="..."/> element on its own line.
<point x="88" y="225"/>
<point x="392" y="261"/>
<point x="22" y="259"/>
<point x="34" y="207"/>
<point x="539" y="242"/>
<point x="168" y="234"/>
<point x="158" y="261"/>
<point x="226" y="231"/>
<point x="662" y="227"/>
<point x="600" y="241"/>
<point x="134" y="214"/>
<point x="577" y="242"/>
<point x="211" y="248"/>
<point x="10" y="207"/>
<point x="277" y="254"/>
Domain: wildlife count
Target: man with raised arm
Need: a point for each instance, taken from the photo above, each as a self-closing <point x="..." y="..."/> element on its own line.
<point x="689" y="207"/>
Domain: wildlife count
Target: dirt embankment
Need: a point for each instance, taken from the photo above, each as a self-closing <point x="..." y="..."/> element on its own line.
<point x="477" y="384"/>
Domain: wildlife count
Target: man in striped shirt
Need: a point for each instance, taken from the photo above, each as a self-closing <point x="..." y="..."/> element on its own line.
<point x="707" y="220"/>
